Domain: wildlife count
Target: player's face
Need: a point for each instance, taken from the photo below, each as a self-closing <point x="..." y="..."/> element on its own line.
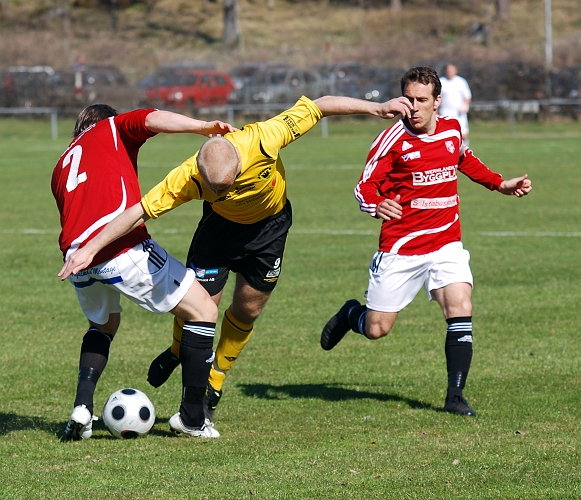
<point x="451" y="71"/>
<point x="424" y="107"/>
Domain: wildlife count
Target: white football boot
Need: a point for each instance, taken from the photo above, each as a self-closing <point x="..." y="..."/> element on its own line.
<point x="207" y="431"/>
<point x="80" y="425"/>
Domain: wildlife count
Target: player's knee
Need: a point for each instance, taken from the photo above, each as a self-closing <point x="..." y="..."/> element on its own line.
<point x="460" y="308"/>
<point x="377" y="330"/>
<point x="209" y="310"/>
<point x="198" y="307"/>
<point x="247" y="313"/>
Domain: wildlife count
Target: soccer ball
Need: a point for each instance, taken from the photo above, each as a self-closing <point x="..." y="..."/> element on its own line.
<point x="128" y="413"/>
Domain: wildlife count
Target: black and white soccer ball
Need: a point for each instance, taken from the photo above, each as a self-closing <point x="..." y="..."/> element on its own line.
<point x="128" y="413"/>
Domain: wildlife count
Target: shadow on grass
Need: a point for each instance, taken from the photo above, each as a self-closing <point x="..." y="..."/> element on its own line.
<point x="326" y="392"/>
<point x="11" y="422"/>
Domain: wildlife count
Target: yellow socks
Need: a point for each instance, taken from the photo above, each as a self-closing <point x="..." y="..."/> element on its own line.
<point x="178" y="325"/>
<point x="233" y="337"/>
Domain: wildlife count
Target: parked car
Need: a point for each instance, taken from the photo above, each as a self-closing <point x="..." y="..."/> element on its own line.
<point x="247" y="74"/>
<point x="357" y="80"/>
<point x="566" y="82"/>
<point x="185" y="87"/>
<point x="282" y="84"/>
<point x="24" y="86"/>
<point x="74" y="88"/>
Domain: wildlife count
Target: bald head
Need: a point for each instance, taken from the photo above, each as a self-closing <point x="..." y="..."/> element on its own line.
<point x="218" y="164"/>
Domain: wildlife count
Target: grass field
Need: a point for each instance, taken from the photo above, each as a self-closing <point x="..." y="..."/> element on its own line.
<point x="359" y="422"/>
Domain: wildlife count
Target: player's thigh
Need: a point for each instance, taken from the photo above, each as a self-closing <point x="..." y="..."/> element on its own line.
<point x="196" y="305"/>
<point x="247" y="302"/>
<point x="98" y="300"/>
<point x="455" y="300"/>
<point x="152" y="278"/>
<point x="450" y="264"/>
<point x="394" y="281"/>
<point x="262" y="269"/>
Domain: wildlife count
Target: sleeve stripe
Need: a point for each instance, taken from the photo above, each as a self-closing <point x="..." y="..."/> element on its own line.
<point x="395" y="133"/>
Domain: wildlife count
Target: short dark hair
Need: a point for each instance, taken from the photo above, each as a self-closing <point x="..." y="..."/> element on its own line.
<point x="91" y="115"/>
<point x="424" y="75"/>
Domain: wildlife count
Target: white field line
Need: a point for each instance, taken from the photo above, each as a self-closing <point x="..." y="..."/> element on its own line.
<point x="354" y="232"/>
<point x="160" y="164"/>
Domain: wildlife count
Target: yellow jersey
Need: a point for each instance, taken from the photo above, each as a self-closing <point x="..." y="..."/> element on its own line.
<point x="259" y="191"/>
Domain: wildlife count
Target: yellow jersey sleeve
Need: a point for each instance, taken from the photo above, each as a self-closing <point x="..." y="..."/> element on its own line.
<point x="178" y="187"/>
<point x="280" y="131"/>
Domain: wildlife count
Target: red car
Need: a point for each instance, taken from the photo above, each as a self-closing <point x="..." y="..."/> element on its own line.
<point x="186" y="88"/>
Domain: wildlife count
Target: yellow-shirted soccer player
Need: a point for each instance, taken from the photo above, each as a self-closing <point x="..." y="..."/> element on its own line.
<point x="245" y="221"/>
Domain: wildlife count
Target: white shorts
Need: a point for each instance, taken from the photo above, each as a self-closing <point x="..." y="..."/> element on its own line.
<point x="146" y="274"/>
<point x="394" y="280"/>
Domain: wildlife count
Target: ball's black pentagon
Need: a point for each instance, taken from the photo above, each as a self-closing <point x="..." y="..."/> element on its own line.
<point x="129" y="434"/>
<point x="144" y="413"/>
<point x="129" y="392"/>
<point x="118" y="412"/>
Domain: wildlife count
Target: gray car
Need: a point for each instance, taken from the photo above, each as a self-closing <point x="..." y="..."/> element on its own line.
<point x="280" y="84"/>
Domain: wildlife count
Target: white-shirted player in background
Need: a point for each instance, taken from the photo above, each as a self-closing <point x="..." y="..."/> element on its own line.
<point x="94" y="180"/>
<point x="456" y="97"/>
<point x="410" y="182"/>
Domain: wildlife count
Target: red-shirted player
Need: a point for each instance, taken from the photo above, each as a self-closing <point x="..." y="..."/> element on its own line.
<point x="410" y="182"/>
<point x="94" y="181"/>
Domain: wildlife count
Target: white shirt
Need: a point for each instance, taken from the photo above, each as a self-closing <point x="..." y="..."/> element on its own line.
<point x="454" y="94"/>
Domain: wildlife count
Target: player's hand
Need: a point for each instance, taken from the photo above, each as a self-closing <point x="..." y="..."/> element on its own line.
<point x="519" y="186"/>
<point x="78" y="261"/>
<point x="217" y="128"/>
<point x="389" y="209"/>
<point x="398" y="106"/>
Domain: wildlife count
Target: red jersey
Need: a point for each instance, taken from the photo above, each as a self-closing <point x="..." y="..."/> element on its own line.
<point x="96" y="179"/>
<point x="423" y="170"/>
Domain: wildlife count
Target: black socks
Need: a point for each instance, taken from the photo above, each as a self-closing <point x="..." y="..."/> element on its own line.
<point x="93" y="359"/>
<point x="196" y="355"/>
<point x="458" y="353"/>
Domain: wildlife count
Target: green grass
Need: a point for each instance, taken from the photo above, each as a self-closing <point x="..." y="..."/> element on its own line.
<point x="361" y="421"/>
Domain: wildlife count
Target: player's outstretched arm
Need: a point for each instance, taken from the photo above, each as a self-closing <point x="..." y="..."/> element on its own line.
<point x="519" y="186"/>
<point x="174" y="123"/>
<point x="338" y="105"/>
<point x="120" y="225"/>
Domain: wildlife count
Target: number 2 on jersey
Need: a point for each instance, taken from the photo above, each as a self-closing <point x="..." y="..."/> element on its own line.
<point x="74" y="158"/>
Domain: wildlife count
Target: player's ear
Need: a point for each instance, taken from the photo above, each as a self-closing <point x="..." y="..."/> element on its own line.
<point x="437" y="102"/>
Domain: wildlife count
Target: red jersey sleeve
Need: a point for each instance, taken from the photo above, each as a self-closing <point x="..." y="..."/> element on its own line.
<point x="471" y="166"/>
<point x="133" y="132"/>
<point x="373" y="186"/>
<point x="131" y="126"/>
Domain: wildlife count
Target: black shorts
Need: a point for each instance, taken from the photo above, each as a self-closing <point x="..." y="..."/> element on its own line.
<point x="253" y="250"/>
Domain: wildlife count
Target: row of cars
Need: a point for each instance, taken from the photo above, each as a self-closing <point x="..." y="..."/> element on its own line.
<point x="39" y="86"/>
<point x="188" y="86"/>
<point x="261" y="83"/>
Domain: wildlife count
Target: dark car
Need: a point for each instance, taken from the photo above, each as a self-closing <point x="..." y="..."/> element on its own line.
<point x="80" y="87"/>
<point x="245" y="75"/>
<point x="566" y="83"/>
<point x="503" y="80"/>
<point x="25" y="86"/>
<point x="282" y="84"/>
<point x="183" y="87"/>
<point x="357" y="80"/>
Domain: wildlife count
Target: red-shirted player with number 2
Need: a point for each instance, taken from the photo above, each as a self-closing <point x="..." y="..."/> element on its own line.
<point x="410" y="182"/>
<point x="94" y="181"/>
